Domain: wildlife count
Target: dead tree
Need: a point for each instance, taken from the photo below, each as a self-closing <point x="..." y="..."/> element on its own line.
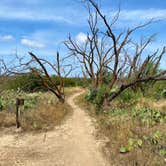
<point x="123" y="57"/>
<point x="94" y="55"/>
<point x="41" y="68"/>
<point x="3" y="74"/>
<point x="50" y="83"/>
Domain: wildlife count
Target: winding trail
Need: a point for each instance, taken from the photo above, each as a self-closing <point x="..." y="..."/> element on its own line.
<point x="71" y="144"/>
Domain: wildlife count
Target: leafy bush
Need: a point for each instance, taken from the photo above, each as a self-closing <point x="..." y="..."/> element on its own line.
<point x="163" y="152"/>
<point x="26" y="82"/>
<point x="158" y="90"/>
<point x="1" y="104"/>
<point x="30" y="103"/>
<point x="128" y="96"/>
<point x="99" y="100"/>
<point x="163" y="93"/>
<point x="154" y="138"/>
<point x="118" y="112"/>
<point x="132" y="144"/>
<point x="149" y="116"/>
<point x="97" y="96"/>
<point x="91" y="95"/>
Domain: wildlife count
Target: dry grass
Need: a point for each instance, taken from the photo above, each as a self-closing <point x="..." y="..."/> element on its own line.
<point x="45" y="117"/>
<point x="119" y="134"/>
<point x="120" y="128"/>
<point x="158" y="105"/>
<point x="47" y="113"/>
<point x="7" y="119"/>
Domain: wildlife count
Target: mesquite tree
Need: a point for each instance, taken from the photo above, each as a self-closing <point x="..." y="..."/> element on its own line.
<point x="117" y="53"/>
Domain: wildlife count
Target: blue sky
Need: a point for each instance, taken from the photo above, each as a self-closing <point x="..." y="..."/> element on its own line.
<point x="42" y="25"/>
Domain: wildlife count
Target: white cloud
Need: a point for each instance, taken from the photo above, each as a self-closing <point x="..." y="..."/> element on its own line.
<point x="130" y="18"/>
<point x="81" y="38"/>
<point x="70" y="14"/>
<point x="138" y="15"/>
<point x="66" y="15"/>
<point x="6" y="37"/>
<point x="34" y="16"/>
<point x="32" y="43"/>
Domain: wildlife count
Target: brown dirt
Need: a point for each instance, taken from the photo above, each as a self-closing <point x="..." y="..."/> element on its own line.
<point x="71" y="144"/>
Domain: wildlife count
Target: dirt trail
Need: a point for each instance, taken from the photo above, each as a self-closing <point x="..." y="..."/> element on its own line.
<point x="71" y="144"/>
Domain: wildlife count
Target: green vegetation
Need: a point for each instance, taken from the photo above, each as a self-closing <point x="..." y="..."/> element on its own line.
<point x="157" y="91"/>
<point x="134" y="124"/>
<point x="41" y="110"/>
<point x="148" y="116"/>
<point x="132" y="143"/>
<point x="8" y="99"/>
<point x="97" y="96"/>
<point x="163" y="93"/>
<point x="31" y="83"/>
<point x="128" y="96"/>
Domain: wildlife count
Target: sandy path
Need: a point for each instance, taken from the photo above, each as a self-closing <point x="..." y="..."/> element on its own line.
<point x="71" y="144"/>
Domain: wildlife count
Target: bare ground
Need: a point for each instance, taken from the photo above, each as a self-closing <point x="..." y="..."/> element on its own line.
<point x="71" y="144"/>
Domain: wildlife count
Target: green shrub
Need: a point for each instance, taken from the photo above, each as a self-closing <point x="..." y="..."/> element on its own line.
<point x="158" y="91"/>
<point x="128" y="96"/>
<point x="26" y="82"/>
<point x="162" y="152"/>
<point x="90" y="97"/>
<point x="118" y="112"/>
<point x="1" y="104"/>
<point x="97" y="96"/>
<point x="132" y="144"/>
<point x="149" y="116"/>
<point x="155" y="138"/>
<point x="163" y="93"/>
<point x="30" y="103"/>
<point x="99" y="100"/>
